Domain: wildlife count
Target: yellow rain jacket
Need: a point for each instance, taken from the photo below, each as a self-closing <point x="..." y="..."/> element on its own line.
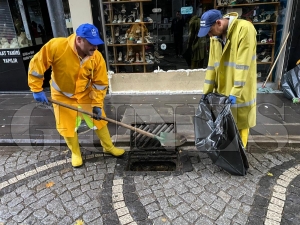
<point x="232" y="69"/>
<point x="81" y="83"/>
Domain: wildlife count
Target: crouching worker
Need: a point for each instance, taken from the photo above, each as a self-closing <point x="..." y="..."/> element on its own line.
<point x="79" y="78"/>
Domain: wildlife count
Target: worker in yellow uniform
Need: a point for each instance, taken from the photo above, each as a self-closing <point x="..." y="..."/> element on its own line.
<point x="79" y="78"/>
<point x="231" y="67"/>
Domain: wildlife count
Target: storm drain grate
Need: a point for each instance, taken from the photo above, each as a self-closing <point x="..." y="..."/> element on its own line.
<point x="141" y="142"/>
<point x="147" y="154"/>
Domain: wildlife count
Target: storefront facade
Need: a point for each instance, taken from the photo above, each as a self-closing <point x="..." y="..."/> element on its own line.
<point x="142" y="37"/>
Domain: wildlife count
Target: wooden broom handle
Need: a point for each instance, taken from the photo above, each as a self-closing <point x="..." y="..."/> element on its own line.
<point x="103" y="118"/>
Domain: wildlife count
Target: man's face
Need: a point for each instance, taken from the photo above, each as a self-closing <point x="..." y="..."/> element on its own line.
<point x="217" y="29"/>
<point x="178" y="15"/>
<point x="87" y="48"/>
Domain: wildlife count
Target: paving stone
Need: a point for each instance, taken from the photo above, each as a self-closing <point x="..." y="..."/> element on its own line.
<point x="191" y="216"/>
<point x="196" y="205"/>
<point x="188" y="197"/>
<point x="183" y="208"/>
<point x="175" y="200"/>
<point x="240" y="218"/>
<point x="152" y="207"/>
<point x="161" y="221"/>
<point x="22" y="215"/>
<point x="8" y="197"/>
<point x="180" y="221"/>
<point x="230" y="212"/>
<point x="171" y="213"/>
<point x="208" y="198"/>
<point x="158" y="193"/>
<point x="209" y="212"/>
<point x="40" y="214"/>
<point x="163" y="202"/>
<point x="222" y="220"/>
<point x="235" y="204"/>
<point x="153" y="215"/>
<point x="91" y="215"/>
<point x="50" y="219"/>
<point x="82" y="199"/>
<point x="226" y="197"/>
<point x="204" y="220"/>
<point x="16" y="210"/>
<point x="218" y="204"/>
<point x="148" y="199"/>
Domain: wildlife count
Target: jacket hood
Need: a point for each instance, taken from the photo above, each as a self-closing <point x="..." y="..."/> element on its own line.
<point x="232" y="19"/>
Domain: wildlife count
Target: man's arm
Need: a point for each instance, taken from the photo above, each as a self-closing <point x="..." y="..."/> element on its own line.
<point x="99" y="82"/>
<point x="210" y="76"/>
<point x="245" y="56"/>
<point x="40" y="62"/>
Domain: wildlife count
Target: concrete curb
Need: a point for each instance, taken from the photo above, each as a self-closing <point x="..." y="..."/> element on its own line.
<point x="256" y="143"/>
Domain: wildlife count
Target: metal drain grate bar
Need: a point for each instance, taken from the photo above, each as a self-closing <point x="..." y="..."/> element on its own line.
<point x="141" y="141"/>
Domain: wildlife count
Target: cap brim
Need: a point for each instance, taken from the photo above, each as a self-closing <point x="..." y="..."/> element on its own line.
<point x="95" y="41"/>
<point x="203" y="31"/>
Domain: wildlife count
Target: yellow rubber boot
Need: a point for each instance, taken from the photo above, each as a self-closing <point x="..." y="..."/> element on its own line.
<point x="244" y="133"/>
<point x="73" y="145"/>
<point x="107" y="144"/>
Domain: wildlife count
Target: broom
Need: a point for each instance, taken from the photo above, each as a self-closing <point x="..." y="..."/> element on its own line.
<point x="271" y="70"/>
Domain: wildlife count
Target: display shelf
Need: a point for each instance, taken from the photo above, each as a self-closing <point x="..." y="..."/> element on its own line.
<point x="127" y="32"/>
<point x="112" y="45"/>
<point x="118" y="2"/>
<point x="266" y="63"/>
<point x="131" y="64"/>
<point x="248" y="4"/>
<point x="120" y="24"/>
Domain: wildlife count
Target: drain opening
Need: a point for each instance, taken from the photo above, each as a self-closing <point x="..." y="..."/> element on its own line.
<point x="153" y="166"/>
<point x="153" y="161"/>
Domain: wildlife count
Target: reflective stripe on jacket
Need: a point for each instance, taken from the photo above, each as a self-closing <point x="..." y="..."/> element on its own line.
<point x="232" y="70"/>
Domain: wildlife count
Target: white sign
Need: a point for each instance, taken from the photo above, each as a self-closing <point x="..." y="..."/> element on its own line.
<point x="156" y="10"/>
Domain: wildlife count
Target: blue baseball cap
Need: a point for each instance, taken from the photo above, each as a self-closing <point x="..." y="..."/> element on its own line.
<point x="207" y="20"/>
<point x="90" y="33"/>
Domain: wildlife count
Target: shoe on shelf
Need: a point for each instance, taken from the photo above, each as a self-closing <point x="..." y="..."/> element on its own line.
<point x="149" y="20"/>
<point x="136" y="6"/>
<point x="124" y="18"/>
<point x="137" y="20"/>
<point x="130" y="17"/>
<point x="149" y="54"/>
<point x="157" y="55"/>
<point x="264" y="40"/>
<point x="117" y="31"/>
<point x="123" y="10"/>
<point x="120" y="57"/>
<point x="120" y="19"/>
<point x="115" y="19"/>
<point x="266" y="59"/>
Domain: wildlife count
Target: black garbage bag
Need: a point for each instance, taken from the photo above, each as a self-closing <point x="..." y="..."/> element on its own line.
<point x="216" y="134"/>
<point x="290" y="83"/>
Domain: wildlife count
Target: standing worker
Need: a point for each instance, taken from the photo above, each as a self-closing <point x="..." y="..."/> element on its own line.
<point x="197" y="46"/>
<point x="231" y="67"/>
<point x="79" y="78"/>
<point x="177" y="31"/>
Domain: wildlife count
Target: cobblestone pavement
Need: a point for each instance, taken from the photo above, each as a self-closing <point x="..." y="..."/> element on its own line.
<point x="39" y="186"/>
